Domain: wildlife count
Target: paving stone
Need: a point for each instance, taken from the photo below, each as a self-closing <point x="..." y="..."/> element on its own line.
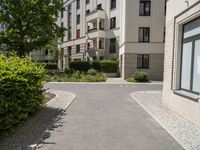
<point x="187" y="134"/>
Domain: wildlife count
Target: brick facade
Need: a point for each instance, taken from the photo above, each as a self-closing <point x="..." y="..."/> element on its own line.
<point x="155" y="71"/>
<point x="185" y="107"/>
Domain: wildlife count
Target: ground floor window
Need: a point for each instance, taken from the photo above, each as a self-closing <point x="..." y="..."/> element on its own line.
<point x="143" y="61"/>
<point x="190" y="62"/>
<point x="113" y="45"/>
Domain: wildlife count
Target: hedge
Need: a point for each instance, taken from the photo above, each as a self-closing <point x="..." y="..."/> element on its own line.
<point x="21" y="86"/>
<point x="106" y="66"/>
<point x="80" y="66"/>
<point x="51" y="66"/>
<point x="109" y="66"/>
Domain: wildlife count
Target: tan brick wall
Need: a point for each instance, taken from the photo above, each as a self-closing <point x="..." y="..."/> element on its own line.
<point x="185" y="107"/>
<point x="155" y="71"/>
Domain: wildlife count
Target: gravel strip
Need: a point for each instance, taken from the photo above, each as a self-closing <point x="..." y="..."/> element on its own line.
<point x="31" y="131"/>
<point x="187" y="134"/>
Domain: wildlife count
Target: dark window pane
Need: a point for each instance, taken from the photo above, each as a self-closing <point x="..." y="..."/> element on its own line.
<point x="113" y="44"/>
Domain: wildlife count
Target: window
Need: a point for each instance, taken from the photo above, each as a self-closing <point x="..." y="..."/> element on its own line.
<point x="46" y="52"/>
<point x="145" y="7"/>
<point x="78" y="33"/>
<point x="78" y="19"/>
<point x="113" y="4"/>
<point x="87" y="1"/>
<point x="78" y="49"/>
<point x="62" y="13"/>
<point x="113" y="44"/>
<point x="62" y="26"/>
<point x="70" y="50"/>
<point x="78" y="4"/>
<point x="164" y="34"/>
<point x="144" y="34"/>
<point x="113" y="23"/>
<point x="143" y="61"/>
<point x="100" y="44"/>
<point x="190" y="62"/>
<point x="69" y="25"/>
<point x="99" y="6"/>
<point x="87" y="12"/>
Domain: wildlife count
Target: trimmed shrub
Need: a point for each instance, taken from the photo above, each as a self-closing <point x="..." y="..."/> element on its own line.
<point x="51" y="66"/>
<point x="109" y="66"/>
<point x="96" y="65"/>
<point x="141" y="77"/>
<point x="21" y="90"/>
<point x="80" y="66"/>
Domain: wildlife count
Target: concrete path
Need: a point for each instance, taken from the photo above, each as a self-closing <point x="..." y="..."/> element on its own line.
<point x="187" y="134"/>
<point x="105" y="117"/>
<point x="29" y="133"/>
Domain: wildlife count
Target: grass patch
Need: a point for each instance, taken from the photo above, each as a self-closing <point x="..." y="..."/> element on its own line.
<point x="76" y="77"/>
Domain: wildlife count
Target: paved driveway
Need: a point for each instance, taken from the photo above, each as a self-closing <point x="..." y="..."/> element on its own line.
<point x="105" y="117"/>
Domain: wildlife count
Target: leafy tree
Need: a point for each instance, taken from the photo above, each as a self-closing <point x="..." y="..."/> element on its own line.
<point x="30" y="24"/>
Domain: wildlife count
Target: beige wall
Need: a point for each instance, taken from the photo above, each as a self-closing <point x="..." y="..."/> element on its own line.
<point x="129" y="33"/>
<point x="155" y="72"/>
<point x="186" y="107"/>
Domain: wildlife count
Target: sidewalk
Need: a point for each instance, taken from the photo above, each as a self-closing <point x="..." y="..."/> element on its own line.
<point x="180" y="129"/>
<point x="122" y="81"/>
<point x="29" y="133"/>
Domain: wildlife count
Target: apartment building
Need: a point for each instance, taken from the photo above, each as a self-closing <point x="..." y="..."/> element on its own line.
<point x="131" y="31"/>
<point x="43" y="55"/>
<point x="142" y="37"/>
<point x="181" y="92"/>
<point x="92" y="30"/>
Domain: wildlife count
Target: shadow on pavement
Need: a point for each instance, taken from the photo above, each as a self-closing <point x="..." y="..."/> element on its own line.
<point x="29" y="133"/>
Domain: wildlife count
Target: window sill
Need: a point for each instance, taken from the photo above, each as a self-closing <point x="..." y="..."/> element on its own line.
<point x="185" y="94"/>
<point x="113" y="9"/>
<point x="143" y="42"/>
<point x="143" y="68"/>
<point x="145" y="15"/>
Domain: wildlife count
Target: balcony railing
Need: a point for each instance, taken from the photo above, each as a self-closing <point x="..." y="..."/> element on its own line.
<point x="95" y="29"/>
<point x="94" y="11"/>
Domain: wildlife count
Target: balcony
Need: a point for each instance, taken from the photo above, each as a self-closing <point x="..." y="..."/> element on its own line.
<point x="94" y="33"/>
<point x="98" y="13"/>
<point x="95" y="52"/>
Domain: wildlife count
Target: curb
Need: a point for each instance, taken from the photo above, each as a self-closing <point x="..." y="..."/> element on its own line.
<point x="35" y="146"/>
<point x="161" y="124"/>
<point x="104" y="83"/>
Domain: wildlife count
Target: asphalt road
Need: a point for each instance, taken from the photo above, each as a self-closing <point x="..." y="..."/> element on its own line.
<point x="105" y="117"/>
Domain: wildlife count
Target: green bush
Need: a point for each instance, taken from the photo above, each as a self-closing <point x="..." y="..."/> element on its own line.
<point x="96" y="65"/>
<point x="21" y="90"/>
<point x="92" y="72"/>
<point x="141" y="77"/>
<point x="51" y="66"/>
<point x="109" y="66"/>
<point x="77" y="76"/>
<point x="80" y="66"/>
<point x="106" y="66"/>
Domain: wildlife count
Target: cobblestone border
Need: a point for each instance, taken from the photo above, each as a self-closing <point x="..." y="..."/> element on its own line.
<point x="60" y="102"/>
<point x="184" y="132"/>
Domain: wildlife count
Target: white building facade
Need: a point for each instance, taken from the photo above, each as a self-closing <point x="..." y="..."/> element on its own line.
<point x="142" y="37"/>
<point x="182" y="59"/>
<point x="131" y="31"/>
